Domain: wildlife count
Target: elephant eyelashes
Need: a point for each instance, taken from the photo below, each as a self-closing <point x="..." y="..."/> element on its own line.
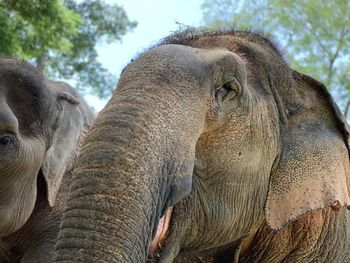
<point x="5" y="140"/>
<point x="228" y="91"/>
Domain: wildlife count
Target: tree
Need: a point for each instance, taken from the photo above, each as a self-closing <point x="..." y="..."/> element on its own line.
<point x="59" y="37"/>
<point x="29" y="28"/>
<point x="314" y="34"/>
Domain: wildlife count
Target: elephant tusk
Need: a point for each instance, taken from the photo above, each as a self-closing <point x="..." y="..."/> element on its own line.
<point x="162" y="230"/>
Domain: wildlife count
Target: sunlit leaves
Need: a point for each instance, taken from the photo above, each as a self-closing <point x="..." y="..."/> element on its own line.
<point x="314" y="34"/>
<point x="36" y="26"/>
<point x="102" y="23"/>
<point x="60" y="37"/>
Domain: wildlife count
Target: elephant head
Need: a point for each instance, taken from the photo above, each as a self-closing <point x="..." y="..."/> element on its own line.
<point x="40" y="125"/>
<point x="207" y="136"/>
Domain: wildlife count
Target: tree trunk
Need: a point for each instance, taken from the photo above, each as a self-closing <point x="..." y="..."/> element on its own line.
<point x="41" y="60"/>
<point x="346" y="110"/>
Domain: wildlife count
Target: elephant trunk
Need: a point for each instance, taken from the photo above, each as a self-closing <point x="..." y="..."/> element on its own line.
<point x="136" y="162"/>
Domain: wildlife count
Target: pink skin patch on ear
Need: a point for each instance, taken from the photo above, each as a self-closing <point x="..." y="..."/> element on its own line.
<point x="162" y="231"/>
<point x="336" y="206"/>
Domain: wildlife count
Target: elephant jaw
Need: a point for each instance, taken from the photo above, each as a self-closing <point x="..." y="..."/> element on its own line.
<point x="162" y="231"/>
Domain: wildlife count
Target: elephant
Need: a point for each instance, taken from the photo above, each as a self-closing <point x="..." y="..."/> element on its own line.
<point x="211" y="149"/>
<point x="42" y="123"/>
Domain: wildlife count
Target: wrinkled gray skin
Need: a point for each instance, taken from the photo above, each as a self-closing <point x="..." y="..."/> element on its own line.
<point x="41" y="124"/>
<point x="252" y="155"/>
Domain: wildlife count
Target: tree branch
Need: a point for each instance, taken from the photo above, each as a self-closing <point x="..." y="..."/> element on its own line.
<point x="41" y="60"/>
<point x="309" y="28"/>
<point x="346" y="110"/>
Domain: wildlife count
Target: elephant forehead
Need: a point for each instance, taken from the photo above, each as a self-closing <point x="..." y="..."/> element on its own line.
<point x="175" y="52"/>
<point x="175" y="63"/>
<point x="23" y="108"/>
<point x="23" y="80"/>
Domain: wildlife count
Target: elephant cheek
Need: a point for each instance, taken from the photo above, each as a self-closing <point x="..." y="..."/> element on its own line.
<point x="4" y="221"/>
<point x="180" y="188"/>
<point x="18" y="193"/>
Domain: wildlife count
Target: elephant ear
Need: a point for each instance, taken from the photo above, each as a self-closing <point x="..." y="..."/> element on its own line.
<point x="69" y="126"/>
<point x="313" y="168"/>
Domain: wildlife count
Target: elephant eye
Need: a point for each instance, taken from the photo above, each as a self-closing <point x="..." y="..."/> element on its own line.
<point x="5" y="140"/>
<point x="228" y="91"/>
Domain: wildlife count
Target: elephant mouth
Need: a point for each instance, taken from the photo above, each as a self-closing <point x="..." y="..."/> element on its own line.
<point x="162" y="231"/>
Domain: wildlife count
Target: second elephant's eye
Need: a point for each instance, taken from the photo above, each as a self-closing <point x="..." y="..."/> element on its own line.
<point x="5" y="140"/>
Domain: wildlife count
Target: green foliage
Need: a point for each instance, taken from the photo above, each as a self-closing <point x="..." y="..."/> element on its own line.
<point x="314" y="34"/>
<point x="60" y="37"/>
<point x="32" y="27"/>
<point x="227" y="14"/>
<point x="8" y="43"/>
<point x="102" y="22"/>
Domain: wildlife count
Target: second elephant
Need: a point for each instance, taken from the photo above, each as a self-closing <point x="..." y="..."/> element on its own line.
<point x="41" y="126"/>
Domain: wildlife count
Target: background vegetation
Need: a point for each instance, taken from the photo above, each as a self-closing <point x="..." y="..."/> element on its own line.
<point x="314" y="34"/>
<point x="59" y="37"/>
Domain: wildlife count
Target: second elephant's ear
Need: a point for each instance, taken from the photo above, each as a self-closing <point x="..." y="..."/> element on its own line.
<point x="313" y="169"/>
<point x="68" y="128"/>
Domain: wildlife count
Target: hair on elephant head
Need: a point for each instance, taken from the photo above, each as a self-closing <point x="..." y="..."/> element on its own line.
<point x="40" y="125"/>
<point x="208" y="138"/>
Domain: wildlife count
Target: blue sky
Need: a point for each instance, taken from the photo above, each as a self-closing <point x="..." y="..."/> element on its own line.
<point x="156" y="19"/>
